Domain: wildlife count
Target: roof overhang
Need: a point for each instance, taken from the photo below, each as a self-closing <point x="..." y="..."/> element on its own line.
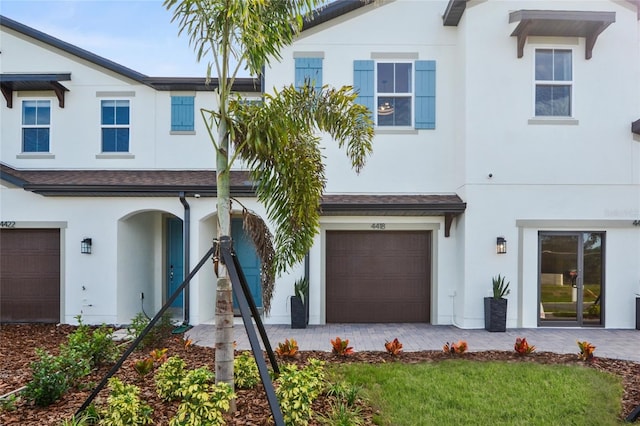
<point x="245" y="84"/>
<point x="447" y="205"/>
<point x="453" y="13"/>
<point x="635" y="127"/>
<point x="10" y="83"/>
<point x="124" y="183"/>
<point x="560" y="23"/>
<point x="331" y="11"/>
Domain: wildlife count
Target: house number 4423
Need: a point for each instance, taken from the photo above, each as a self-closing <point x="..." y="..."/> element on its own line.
<point x="378" y="226"/>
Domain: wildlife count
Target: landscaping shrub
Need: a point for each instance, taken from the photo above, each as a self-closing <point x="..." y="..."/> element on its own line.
<point x="161" y="329"/>
<point x="203" y="402"/>
<point x="124" y="407"/>
<point x="169" y="377"/>
<point x="48" y="381"/>
<point x="297" y="389"/>
<point x="245" y="371"/>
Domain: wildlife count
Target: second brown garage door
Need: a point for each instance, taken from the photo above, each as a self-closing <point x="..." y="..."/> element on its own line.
<point x="381" y="276"/>
<point x="30" y="275"/>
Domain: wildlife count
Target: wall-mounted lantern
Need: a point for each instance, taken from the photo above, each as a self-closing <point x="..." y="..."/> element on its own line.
<point x="85" y="246"/>
<point x="501" y="245"/>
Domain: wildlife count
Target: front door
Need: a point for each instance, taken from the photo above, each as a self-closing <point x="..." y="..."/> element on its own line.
<point x="249" y="261"/>
<point x="571" y="278"/>
<point x="175" y="259"/>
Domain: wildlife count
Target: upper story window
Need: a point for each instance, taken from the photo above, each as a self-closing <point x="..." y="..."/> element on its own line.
<point x="36" y="121"/>
<point x="115" y="125"/>
<point x="394" y="93"/>
<point x="399" y="94"/>
<point x="182" y="113"/>
<point x="554" y="81"/>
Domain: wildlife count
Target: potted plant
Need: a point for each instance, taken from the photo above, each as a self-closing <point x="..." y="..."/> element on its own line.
<point x="298" y="308"/>
<point x="495" y="308"/>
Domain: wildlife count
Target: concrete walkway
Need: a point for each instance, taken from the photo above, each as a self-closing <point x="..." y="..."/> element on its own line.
<point x="620" y="344"/>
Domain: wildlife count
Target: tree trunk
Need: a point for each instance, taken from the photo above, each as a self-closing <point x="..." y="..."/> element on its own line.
<point x="224" y="301"/>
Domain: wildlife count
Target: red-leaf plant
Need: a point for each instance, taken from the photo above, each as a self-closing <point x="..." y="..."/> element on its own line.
<point x="341" y="347"/>
<point x="394" y="347"/>
<point x="586" y="350"/>
<point x="288" y="349"/>
<point x="522" y="347"/>
<point x="455" y="348"/>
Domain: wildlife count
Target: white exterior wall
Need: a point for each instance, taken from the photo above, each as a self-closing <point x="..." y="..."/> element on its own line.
<point x="575" y="176"/>
<point x="128" y="253"/>
<point x="405" y="162"/>
<point x="580" y="176"/>
<point x="151" y="145"/>
<point x="419" y="161"/>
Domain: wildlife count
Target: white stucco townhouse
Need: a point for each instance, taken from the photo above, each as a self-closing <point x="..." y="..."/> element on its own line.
<point x="507" y="142"/>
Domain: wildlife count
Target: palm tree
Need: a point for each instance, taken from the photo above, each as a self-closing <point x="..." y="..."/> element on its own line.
<point x="276" y="137"/>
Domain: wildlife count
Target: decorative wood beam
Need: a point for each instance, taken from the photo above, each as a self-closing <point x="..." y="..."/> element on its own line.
<point x="59" y="90"/>
<point x="592" y="38"/>
<point x="8" y="94"/>
<point x="522" y="37"/>
<point x="448" y="220"/>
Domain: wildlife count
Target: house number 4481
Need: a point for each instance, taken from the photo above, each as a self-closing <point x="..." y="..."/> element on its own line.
<point x="378" y="226"/>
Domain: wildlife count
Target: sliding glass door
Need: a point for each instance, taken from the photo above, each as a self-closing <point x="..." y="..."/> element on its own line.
<point x="571" y="278"/>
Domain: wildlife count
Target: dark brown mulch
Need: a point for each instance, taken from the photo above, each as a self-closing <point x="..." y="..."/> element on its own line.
<point x="17" y="343"/>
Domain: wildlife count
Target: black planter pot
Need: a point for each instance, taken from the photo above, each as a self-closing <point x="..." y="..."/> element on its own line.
<point x="495" y="314"/>
<point x="298" y="313"/>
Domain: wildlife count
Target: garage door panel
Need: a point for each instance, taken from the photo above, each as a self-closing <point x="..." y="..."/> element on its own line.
<point x="34" y="289"/>
<point x="385" y="312"/>
<point x="378" y="276"/>
<point x="30" y="275"/>
<point x="29" y="310"/>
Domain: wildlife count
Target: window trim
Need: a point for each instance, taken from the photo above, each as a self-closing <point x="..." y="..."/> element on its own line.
<point x="425" y="85"/>
<point x="570" y="83"/>
<point x="35" y="126"/>
<point x="410" y="95"/>
<point x="114" y="126"/>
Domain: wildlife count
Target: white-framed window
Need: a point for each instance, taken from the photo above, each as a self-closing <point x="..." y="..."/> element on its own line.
<point x="394" y="94"/>
<point x="399" y="94"/>
<point x="553" y="82"/>
<point x="36" y="123"/>
<point x="115" y="121"/>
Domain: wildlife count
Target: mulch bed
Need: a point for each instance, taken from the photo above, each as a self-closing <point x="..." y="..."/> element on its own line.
<point x="17" y="343"/>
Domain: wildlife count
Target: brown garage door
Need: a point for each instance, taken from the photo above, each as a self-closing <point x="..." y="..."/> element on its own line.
<point x="30" y="275"/>
<point x="381" y="276"/>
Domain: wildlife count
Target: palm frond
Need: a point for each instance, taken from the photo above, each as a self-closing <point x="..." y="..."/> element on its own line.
<point x="278" y="139"/>
<point x="259" y="232"/>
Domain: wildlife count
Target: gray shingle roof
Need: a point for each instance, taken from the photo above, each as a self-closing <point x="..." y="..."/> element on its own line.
<point x="123" y="182"/>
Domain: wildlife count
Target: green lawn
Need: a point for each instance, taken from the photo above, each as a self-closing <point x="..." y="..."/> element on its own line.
<point x="460" y="392"/>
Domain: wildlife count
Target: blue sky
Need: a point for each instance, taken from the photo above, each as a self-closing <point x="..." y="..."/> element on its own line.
<point x="138" y="34"/>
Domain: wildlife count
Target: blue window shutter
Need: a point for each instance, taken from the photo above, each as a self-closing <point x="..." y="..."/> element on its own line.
<point x="425" y="114"/>
<point x="182" y="115"/>
<point x="308" y="69"/>
<point x="363" y="83"/>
